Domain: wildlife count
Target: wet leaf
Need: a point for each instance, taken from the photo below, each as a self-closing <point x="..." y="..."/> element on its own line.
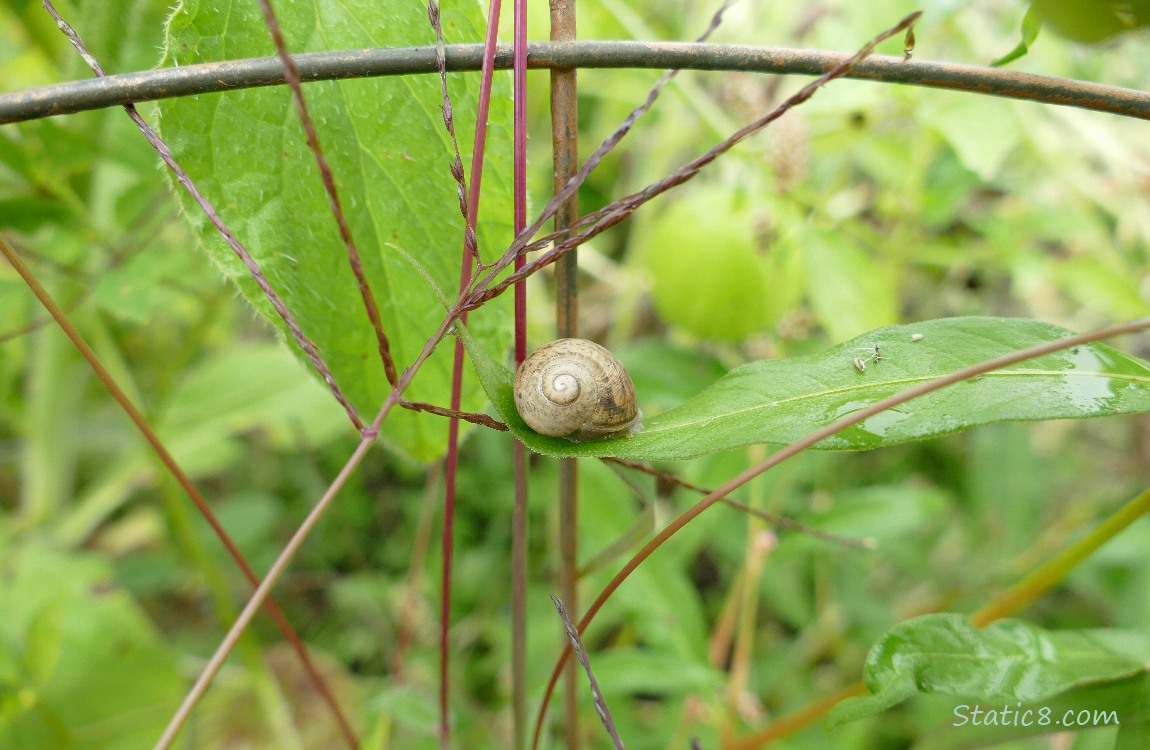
<point x="780" y="401"/>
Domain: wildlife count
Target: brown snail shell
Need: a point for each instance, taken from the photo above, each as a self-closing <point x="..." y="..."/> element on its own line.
<point x="576" y="389"/>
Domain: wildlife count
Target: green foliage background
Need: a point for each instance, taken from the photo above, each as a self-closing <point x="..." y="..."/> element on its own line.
<point x="872" y="205"/>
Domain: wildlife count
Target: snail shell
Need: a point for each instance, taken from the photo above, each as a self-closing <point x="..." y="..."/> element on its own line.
<point x="576" y="389"/>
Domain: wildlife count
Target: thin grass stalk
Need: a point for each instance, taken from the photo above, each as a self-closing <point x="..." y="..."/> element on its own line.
<point x="1047" y="575"/>
<point x="759" y="543"/>
<point x="565" y="160"/>
<point x="519" y="526"/>
<point x="600" y="702"/>
<point x="212" y="668"/>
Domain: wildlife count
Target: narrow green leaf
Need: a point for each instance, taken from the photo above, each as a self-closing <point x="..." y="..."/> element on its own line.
<point x="780" y="401"/>
<point x="1007" y="662"/>
<point x="1031" y="25"/>
<point x="385" y="141"/>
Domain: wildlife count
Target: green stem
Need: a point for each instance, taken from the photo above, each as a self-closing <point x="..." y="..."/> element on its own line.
<point x="1055" y="569"/>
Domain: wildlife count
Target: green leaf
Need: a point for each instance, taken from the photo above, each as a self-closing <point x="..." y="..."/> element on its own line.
<point x="780" y="401"/>
<point x="385" y="141"/>
<point x="1007" y="662"/>
<point x="220" y="399"/>
<point x="1133" y="736"/>
<point x="1031" y="25"/>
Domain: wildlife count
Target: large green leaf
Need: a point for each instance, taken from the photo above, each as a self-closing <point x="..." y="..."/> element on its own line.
<point x="387" y="147"/>
<point x="1008" y="662"/>
<point x="780" y="401"/>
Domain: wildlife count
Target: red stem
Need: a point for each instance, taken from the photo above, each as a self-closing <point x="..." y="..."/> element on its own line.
<point x="469" y="257"/>
<point x="519" y="516"/>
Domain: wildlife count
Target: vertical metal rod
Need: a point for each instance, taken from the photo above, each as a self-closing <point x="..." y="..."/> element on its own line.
<point x="565" y="149"/>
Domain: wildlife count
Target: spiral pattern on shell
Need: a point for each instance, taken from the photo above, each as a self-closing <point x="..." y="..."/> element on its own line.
<point x="576" y="389"/>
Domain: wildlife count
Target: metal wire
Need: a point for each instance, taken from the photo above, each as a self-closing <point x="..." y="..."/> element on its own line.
<point x="97" y="93"/>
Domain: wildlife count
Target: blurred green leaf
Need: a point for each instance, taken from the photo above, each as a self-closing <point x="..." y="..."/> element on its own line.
<point x="667" y="374"/>
<point x="1092" y="22"/>
<point x="707" y="275"/>
<point x="1134" y="736"/>
<point x="632" y="670"/>
<point x="1007" y="662"/>
<point x="97" y="676"/>
<point x="386" y="144"/>
<point x="29" y="213"/>
<point x="850" y="291"/>
<point x="982" y="132"/>
<point x="246" y="388"/>
<point x="779" y="401"/>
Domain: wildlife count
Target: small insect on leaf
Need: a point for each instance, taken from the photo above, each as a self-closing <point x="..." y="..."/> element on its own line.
<point x="859" y="364"/>
<point x="916" y="337"/>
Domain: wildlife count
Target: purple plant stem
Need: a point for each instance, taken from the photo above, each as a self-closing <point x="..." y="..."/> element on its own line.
<point x="519" y="529"/>
<point x="470" y="257"/>
<point x="482" y="420"/>
<point x="291" y="76"/>
<point x="452" y="458"/>
<point x="205" y="205"/>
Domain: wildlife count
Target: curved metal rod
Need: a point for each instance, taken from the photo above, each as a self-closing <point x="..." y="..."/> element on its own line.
<point x="97" y="93"/>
